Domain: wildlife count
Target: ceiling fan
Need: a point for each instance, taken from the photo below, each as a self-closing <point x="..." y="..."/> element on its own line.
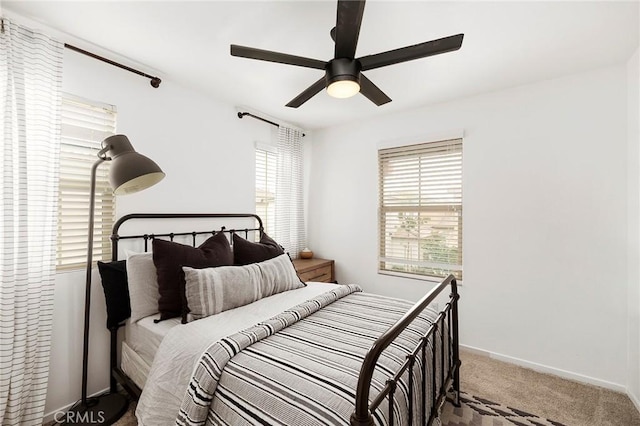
<point x="343" y="74"/>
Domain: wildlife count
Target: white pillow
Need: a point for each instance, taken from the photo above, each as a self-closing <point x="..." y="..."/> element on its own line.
<point x="143" y="286"/>
<point x="213" y="290"/>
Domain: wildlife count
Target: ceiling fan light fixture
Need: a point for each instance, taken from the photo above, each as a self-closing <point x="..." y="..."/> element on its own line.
<point x="343" y="89"/>
<point x="343" y="78"/>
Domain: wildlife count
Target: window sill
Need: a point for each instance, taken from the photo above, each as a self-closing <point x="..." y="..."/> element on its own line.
<point x="434" y="280"/>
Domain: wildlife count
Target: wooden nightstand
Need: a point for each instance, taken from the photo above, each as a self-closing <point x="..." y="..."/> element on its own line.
<point x="321" y="270"/>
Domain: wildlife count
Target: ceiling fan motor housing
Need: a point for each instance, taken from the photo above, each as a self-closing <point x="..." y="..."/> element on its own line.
<point x="342" y="69"/>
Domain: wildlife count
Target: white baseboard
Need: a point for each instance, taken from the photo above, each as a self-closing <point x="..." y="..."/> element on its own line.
<point x="474" y="350"/>
<point x="49" y="416"/>
<point x="634" y="399"/>
<point x="548" y="370"/>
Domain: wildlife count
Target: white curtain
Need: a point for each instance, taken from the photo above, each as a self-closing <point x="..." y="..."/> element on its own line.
<point x="289" y="215"/>
<point x="30" y="99"/>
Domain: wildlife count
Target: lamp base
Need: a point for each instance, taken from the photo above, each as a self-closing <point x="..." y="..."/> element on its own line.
<point x="102" y="410"/>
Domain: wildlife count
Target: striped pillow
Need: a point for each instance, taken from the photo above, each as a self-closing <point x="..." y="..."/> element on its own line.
<point x="213" y="290"/>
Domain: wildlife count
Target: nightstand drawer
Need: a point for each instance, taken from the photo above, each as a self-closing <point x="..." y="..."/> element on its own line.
<point x="319" y="270"/>
<point x="322" y="274"/>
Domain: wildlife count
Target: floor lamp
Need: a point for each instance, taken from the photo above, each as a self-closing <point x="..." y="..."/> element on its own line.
<point x="130" y="172"/>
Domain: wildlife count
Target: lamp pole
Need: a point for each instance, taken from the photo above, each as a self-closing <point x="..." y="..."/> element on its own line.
<point x="87" y="296"/>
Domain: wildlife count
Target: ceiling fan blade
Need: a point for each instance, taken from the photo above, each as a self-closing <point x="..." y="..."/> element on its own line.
<point x="348" y="20"/>
<point x="409" y="53"/>
<point x="310" y="92"/>
<point x="372" y="92"/>
<point x="282" y="58"/>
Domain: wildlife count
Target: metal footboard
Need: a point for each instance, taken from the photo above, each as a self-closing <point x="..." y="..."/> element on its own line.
<point x="362" y="416"/>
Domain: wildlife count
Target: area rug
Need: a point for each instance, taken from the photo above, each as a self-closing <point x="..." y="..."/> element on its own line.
<point x="476" y="411"/>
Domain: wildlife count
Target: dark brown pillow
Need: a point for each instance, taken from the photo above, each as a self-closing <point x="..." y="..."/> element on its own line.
<point x="246" y="252"/>
<point x="169" y="258"/>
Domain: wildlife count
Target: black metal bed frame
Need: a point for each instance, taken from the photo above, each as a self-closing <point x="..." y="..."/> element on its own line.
<point x="362" y="415"/>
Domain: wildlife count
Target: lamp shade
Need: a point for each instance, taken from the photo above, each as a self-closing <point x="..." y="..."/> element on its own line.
<point x="130" y="172"/>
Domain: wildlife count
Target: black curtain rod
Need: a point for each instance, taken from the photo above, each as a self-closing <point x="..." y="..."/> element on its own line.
<point x="155" y="81"/>
<point x="242" y="114"/>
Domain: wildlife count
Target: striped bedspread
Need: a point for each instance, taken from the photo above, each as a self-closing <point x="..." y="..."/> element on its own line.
<point x="301" y="367"/>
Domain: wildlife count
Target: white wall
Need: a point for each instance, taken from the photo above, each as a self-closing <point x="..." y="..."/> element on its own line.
<point x="208" y="156"/>
<point x="544" y="203"/>
<point x="544" y="217"/>
<point x="633" y="217"/>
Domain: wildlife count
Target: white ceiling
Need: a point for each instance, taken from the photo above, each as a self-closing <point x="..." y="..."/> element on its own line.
<point x="506" y="44"/>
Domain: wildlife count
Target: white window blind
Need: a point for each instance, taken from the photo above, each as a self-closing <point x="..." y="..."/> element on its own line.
<point x="85" y="125"/>
<point x="266" y="166"/>
<point x="420" y="214"/>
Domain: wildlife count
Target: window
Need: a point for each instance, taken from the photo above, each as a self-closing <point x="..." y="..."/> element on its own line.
<point x="85" y="125"/>
<point x="420" y="214"/>
<point x="266" y="164"/>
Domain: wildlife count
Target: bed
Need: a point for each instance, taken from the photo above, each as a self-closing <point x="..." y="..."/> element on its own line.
<point x="315" y="353"/>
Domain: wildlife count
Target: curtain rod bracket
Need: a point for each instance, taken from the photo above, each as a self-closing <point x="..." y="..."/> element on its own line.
<point x="242" y="114"/>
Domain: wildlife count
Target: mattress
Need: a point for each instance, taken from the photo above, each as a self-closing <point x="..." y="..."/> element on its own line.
<point x="134" y="366"/>
<point x="143" y="338"/>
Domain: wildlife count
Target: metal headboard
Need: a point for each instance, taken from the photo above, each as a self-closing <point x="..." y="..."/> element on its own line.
<point x="116" y="237"/>
<point x="116" y="374"/>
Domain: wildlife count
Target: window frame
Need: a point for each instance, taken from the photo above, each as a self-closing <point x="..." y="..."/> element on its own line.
<point x="85" y="124"/>
<point x="418" y="151"/>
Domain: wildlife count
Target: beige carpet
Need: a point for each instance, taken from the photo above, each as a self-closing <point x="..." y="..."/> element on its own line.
<point x="551" y="397"/>
<point x="129" y="419"/>
<point x="547" y="396"/>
